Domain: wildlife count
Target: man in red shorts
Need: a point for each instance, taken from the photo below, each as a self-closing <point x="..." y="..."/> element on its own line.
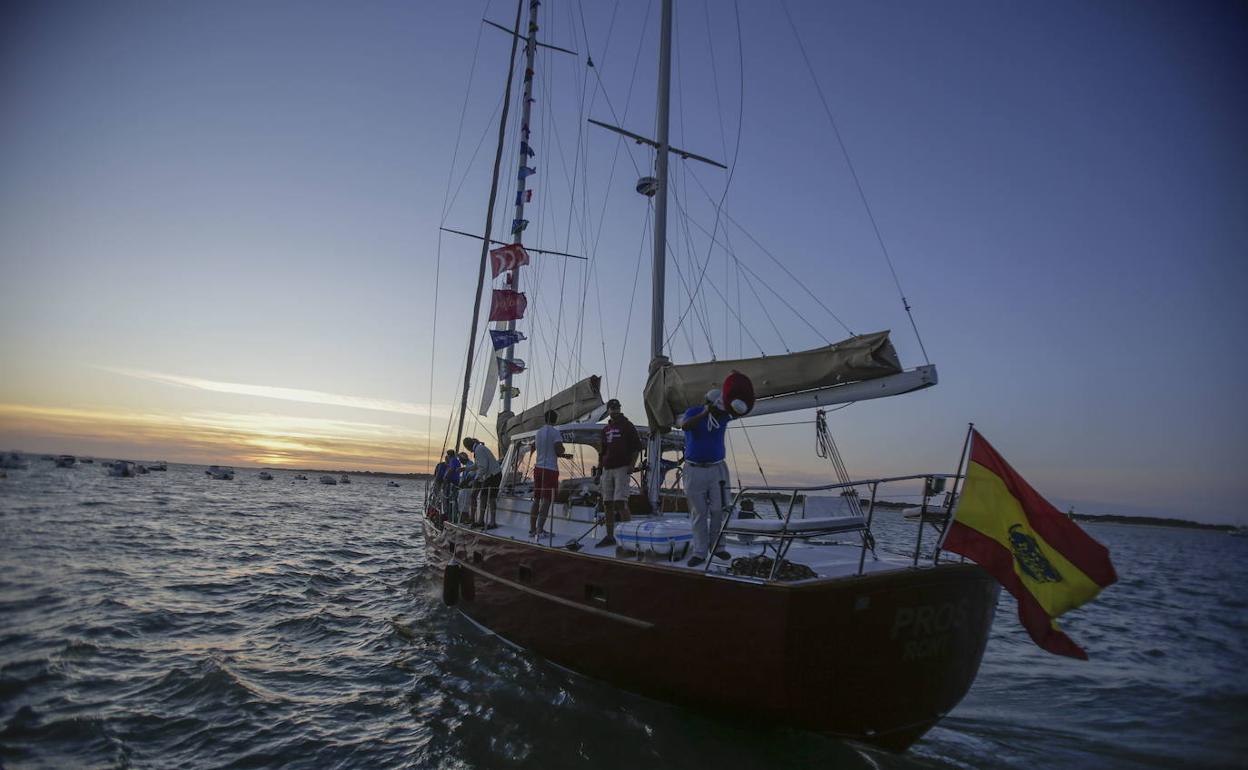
<point x="548" y="444"/>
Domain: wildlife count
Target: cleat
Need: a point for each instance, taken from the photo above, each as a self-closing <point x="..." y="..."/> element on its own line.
<point x="606" y="541"/>
<point x="695" y="561"/>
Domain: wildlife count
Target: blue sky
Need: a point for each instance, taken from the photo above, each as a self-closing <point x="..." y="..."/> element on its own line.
<point x="205" y="202"/>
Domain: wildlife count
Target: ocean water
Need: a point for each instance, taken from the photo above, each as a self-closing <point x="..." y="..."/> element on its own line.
<point x="171" y="620"/>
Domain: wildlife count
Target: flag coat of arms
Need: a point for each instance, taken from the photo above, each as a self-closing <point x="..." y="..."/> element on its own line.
<point x="1039" y="555"/>
<point x="507" y="257"/>
<point x="507" y="305"/>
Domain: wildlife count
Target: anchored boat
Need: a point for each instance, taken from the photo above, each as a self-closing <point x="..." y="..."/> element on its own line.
<point x="801" y="617"/>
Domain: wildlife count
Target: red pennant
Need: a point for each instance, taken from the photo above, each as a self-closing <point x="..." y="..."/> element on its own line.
<point x="508" y="257"/>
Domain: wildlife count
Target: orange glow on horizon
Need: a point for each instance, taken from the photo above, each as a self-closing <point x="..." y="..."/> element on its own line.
<point x="218" y="437"/>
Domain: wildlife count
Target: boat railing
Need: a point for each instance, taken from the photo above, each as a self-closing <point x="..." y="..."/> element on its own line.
<point x="785" y="528"/>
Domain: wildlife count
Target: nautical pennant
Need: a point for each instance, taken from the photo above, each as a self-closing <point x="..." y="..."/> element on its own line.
<point x="518" y="225"/>
<point x="506" y="367"/>
<point x="504" y="391"/>
<point x="526" y="149"/>
<point x="505" y="338"/>
<point x="507" y="257"/>
<point x="523" y="196"/>
<point x="526" y="171"/>
<point x="507" y="305"/>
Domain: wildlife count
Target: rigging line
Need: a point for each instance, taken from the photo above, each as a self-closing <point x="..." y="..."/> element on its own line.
<point x="628" y="99"/>
<point x="720" y="294"/>
<point x="732" y="167"/>
<point x="766" y="285"/>
<point x="446" y="203"/>
<point x="763" y="306"/>
<point x="468" y="168"/>
<point x="685" y="285"/>
<point x="632" y="297"/>
<point x="463" y="112"/>
<point x="774" y="258"/>
<point x="433" y="344"/>
<point x="689" y="251"/>
<point x="719" y="107"/>
<point x="857" y="183"/>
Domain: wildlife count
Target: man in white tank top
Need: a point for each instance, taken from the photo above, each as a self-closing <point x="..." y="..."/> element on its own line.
<point x="548" y="444"/>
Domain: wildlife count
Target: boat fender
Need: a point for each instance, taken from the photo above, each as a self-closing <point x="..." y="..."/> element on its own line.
<point x="451" y="578"/>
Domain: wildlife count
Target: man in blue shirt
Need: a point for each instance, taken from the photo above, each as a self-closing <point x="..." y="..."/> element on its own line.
<point x="706" y="473"/>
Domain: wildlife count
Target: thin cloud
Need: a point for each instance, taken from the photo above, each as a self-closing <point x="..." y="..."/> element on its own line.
<point x="285" y="394"/>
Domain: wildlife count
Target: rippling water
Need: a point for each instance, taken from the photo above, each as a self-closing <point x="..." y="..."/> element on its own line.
<point x="174" y="621"/>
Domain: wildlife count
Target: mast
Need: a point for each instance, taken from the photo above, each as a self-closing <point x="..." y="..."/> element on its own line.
<point x="655" y="477"/>
<point x="489" y="222"/>
<point x="530" y="51"/>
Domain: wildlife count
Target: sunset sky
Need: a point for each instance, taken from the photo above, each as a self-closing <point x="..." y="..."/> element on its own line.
<point x="219" y="227"/>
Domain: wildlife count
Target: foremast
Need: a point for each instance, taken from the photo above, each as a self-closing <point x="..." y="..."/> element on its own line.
<point x="522" y="173"/>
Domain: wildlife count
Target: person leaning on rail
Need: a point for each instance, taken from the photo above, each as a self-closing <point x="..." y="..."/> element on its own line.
<point x="487" y="477"/>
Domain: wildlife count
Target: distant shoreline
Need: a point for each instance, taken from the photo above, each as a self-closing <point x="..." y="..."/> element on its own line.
<point x="1107" y="518"/>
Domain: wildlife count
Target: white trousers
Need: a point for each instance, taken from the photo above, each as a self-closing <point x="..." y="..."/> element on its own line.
<point x="707" y="491"/>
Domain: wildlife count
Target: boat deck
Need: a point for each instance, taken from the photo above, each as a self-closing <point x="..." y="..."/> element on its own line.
<point x="827" y="555"/>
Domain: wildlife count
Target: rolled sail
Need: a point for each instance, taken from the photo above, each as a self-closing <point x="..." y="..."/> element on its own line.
<point x="673" y="388"/>
<point x="575" y="403"/>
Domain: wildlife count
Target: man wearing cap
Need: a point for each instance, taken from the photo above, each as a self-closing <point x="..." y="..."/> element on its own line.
<point x="619" y="448"/>
<point x="706" y="473"/>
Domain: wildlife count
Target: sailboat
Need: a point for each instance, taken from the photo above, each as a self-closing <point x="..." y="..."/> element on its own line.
<point x="807" y="623"/>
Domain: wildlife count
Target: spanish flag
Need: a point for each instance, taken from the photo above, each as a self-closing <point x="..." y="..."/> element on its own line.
<point x="1048" y="563"/>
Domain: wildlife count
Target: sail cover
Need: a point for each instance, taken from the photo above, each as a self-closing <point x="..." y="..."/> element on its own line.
<point x="572" y="404"/>
<point x="673" y="388"/>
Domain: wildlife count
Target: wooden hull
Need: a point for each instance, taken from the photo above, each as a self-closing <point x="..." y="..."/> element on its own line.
<point x="878" y="658"/>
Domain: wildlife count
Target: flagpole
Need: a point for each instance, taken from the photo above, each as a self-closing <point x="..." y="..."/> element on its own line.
<point x="957" y="479"/>
<point x="489" y="222"/>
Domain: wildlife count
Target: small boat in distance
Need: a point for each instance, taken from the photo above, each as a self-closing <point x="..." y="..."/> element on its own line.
<point x="300" y="477"/>
<point x="266" y="476"/>
<point x="66" y="461"/>
<point x="13" y="461"/>
<point x="122" y="469"/>
<point x="392" y="483"/>
<point x="156" y="466"/>
<point x="86" y="461"/>
<point x="220" y="472"/>
<point x="330" y="480"/>
<point x="343" y="479"/>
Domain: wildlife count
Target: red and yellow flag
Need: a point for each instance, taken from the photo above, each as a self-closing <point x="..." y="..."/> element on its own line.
<point x="1043" y="558"/>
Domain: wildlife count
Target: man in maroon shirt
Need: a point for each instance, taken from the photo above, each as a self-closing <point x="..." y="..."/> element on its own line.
<point x="619" y="448"/>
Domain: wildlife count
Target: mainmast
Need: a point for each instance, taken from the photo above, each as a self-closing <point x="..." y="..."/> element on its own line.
<point x="655" y="476"/>
<point x="489" y="222"/>
<point x="526" y="152"/>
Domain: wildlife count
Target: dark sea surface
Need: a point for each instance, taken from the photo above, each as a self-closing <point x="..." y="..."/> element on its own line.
<point x="171" y="620"/>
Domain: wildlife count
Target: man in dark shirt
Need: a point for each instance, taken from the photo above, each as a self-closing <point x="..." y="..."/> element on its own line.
<point x="620" y="446"/>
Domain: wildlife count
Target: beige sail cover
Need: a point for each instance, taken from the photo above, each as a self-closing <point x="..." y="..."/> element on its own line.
<point x="572" y="404"/>
<point x="672" y="388"/>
